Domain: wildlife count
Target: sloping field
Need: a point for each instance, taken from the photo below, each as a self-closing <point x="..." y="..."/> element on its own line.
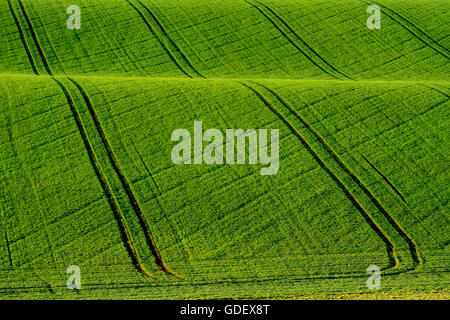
<point x="87" y="177"/>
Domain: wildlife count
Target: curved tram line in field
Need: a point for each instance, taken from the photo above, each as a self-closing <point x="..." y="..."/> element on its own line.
<point x="22" y="37"/>
<point x="388" y="182"/>
<point x="126" y="235"/>
<point x="297" y="41"/>
<point x="393" y="260"/>
<point x="414" y="30"/>
<point x="415" y="255"/>
<point x="124" y="181"/>
<point x="188" y="68"/>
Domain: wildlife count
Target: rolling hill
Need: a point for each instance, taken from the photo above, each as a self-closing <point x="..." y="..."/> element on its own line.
<point x="87" y="178"/>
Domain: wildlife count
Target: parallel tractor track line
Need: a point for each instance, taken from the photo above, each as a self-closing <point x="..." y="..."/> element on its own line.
<point x="161" y="43"/>
<point x="412" y="247"/>
<point x="331" y="72"/>
<point x="124" y="181"/>
<point x="435" y="89"/>
<point x="384" y="178"/>
<point x="166" y="34"/>
<point x="157" y="194"/>
<point x="389" y="245"/>
<point x="22" y="38"/>
<point x="148" y="171"/>
<point x="158" y="202"/>
<point x="126" y="237"/>
<point x="442" y="87"/>
<point x="95" y="164"/>
<point x="403" y="22"/>
<point x="429" y="38"/>
<point x="417" y="28"/>
<point x="35" y="39"/>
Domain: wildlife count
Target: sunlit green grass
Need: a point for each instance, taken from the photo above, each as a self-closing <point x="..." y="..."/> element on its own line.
<point x="86" y="174"/>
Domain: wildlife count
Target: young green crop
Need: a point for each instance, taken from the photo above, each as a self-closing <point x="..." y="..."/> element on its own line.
<point x="87" y="179"/>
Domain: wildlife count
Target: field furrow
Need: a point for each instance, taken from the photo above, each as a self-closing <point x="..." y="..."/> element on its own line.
<point x="224" y="149"/>
<point x="22" y="37"/>
<point x="174" y="48"/>
<point x="125" y="184"/>
<point x="167" y="50"/>
<point x="389" y="245"/>
<point x="32" y="32"/>
<point x="373" y="199"/>
<point x="416" y="31"/>
<point x="103" y="181"/>
<point x="313" y="56"/>
<point x="389" y="183"/>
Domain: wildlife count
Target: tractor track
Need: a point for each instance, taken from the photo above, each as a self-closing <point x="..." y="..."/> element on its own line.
<point x="393" y="259"/>
<point x="333" y="71"/>
<point x="166" y="34"/>
<point x="415" y="255"/>
<point x="171" y="42"/>
<point x="435" y="89"/>
<point x="191" y="72"/>
<point x="403" y="22"/>
<point x="35" y="38"/>
<point x="384" y="178"/>
<point x="22" y="38"/>
<point x="6" y="236"/>
<point x="126" y="237"/>
<point x="9" y="249"/>
<point x="124" y="181"/>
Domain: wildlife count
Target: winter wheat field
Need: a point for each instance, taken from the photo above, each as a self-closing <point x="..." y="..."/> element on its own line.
<point x="191" y="149"/>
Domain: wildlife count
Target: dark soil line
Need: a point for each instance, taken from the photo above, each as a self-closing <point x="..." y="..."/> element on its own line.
<point x="412" y="247"/>
<point x="35" y="39"/>
<point x="161" y="43"/>
<point x="404" y="23"/>
<point x="385" y="179"/>
<point x="166" y="34"/>
<point x="22" y="38"/>
<point x="435" y="89"/>
<point x="126" y="237"/>
<point x="389" y="245"/>
<point x="125" y="184"/>
<point x="148" y="172"/>
<point x="417" y="28"/>
<point x="298" y="38"/>
<point x="157" y="194"/>
<point x="8" y="248"/>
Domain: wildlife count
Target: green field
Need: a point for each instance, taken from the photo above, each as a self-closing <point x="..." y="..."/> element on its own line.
<point x="87" y="179"/>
